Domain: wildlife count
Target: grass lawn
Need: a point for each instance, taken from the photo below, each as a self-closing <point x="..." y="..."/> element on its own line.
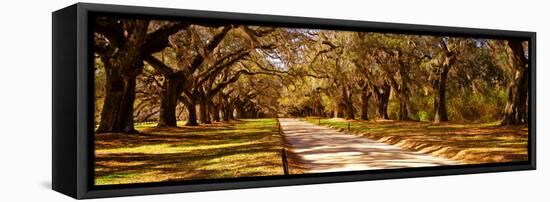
<point x="222" y="150"/>
<point x="468" y="143"/>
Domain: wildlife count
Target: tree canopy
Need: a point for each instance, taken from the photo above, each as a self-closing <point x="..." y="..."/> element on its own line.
<point x="165" y="71"/>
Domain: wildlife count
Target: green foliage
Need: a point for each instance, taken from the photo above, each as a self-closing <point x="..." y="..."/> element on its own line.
<point x="476" y="107"/>
<point x="424" y="115"/>
<point x="310" y="72"/>
<point x="393" y="109"/>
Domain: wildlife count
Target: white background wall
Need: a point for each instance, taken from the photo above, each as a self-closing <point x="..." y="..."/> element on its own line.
<point x="25" y="100"/>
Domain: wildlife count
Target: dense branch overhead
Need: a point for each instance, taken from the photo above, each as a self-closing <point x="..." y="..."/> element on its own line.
<point x="204" y="73"/>
<point x="158" y="39"/>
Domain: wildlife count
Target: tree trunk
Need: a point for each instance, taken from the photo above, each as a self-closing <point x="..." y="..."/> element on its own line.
<point x="118" y="105"/>
<point x="516" y="105"/>
<point x="224" y="107"/>
<point x="248" y="113"/>
<point x="231" y="111"/>
<point x="383" y="108"/>
<point x="339" y="111"/>
<point x="403" y="109"/>
<point x="121" y="72"/>
<point x="221" y="114"/>
<point x="168" y="101"/>
<point x="191" y="113"/>
<point x="317" y="105"/>
<point x="347" y="102"/>
<point x="402" y="90"/>
<point x="365" y="96"/>
<point x="214" y="112"/>
<point x="245" y="111"/>
<point x="350" y="114"/>
<point x="226" y="112"/>
<point x="440" y="101"/>
<point x="255" y="112"/>
<point x="239" y="109"/>
<point x="383" y="98"/>
<point x="203" y="115"/>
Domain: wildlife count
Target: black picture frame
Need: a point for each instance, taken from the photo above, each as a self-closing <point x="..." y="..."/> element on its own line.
<point x="72" y="101"/>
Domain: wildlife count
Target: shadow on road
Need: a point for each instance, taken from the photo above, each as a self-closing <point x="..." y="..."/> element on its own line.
<point x="327" y="150"/>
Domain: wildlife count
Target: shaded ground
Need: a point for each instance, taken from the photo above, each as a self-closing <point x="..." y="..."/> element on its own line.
<point x="323" y="149"/>
<point x="252" y="148"/>
<point x="469" y="143"/>
<point x="236" y="149"/>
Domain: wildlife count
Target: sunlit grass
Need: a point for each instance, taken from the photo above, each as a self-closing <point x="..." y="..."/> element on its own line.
<point x="145" y="125"/>
<point x="469" y="143"/>
<point x="114" y="177"/>
<point x="244" y="148"/>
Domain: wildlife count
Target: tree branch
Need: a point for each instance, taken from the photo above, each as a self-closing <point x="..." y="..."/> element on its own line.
<point x="111" y="29"/>
<point x="218" y="66"/>
<point x="158" y="65"/>
<point x="214" y="42"/>
<point x="158" y="40"/>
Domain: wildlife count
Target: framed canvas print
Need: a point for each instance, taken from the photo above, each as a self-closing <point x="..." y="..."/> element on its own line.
<point x="156" y="100"/>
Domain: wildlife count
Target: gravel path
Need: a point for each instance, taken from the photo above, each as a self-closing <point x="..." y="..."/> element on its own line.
<point x="327" y="150"/>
